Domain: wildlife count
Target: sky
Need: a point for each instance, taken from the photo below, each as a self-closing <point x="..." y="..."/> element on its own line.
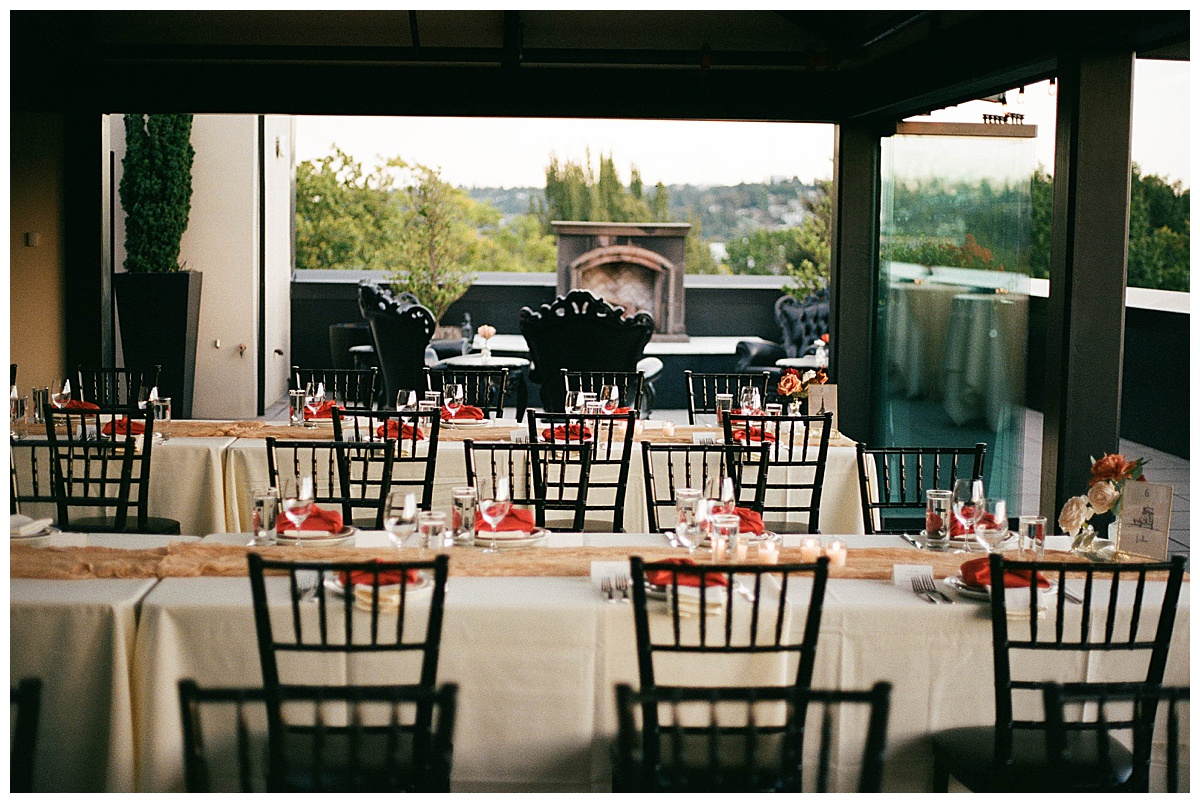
<point x="508" y="152"/>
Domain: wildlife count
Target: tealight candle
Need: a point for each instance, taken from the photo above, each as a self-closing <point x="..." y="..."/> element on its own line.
<point x="740" y="549"/>
<point x="718" y="548"/>
<point x="668" y="428"/>
<point x="768" y="552"/>
<point x="810" y="550"/>
<point x="638" y="428"/>
<point x="836" y="553"/>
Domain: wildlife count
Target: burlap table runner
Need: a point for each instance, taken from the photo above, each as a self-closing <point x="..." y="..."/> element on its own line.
<point x="223" y="560"/>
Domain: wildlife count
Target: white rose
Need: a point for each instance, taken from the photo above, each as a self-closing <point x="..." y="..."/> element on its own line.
<point x="1074" y="513"/>
<point x="1103" y="495"/>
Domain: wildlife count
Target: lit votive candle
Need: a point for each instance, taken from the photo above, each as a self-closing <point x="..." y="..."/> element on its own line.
<point x="836" y="553"/>
<point x="718" y="547"/>
<point x="638" y="428"/>
<point x="810" y="550"/>
<point x="668" y="428"/>
<point x="740" y="549"/>
<point x="768" y="552"/>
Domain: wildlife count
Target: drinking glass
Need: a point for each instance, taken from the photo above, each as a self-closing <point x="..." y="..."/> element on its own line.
<point x="574" y="402"/>
<point x="610" y="398"/>
<point x="432" y="526"/>
<point x="991" y="523"/>
<point x="724" y="403"/>
<point x="724" y="535"/>
<point x="719" y="492"/>
<point x="462" y="519"/>
<point x="295" y="408"/>
<point x="162" y="419"/>
<point x="314" y="397"/>
<point x="61" y="394"/>
<point x="495" y="507"/>
<point x="433" y="397"/>
<point x="965" y="499"/>
<point x="453" y="395"/>
<point x="297" y="499"/>
<point x="1031" y="535"/>
<point x="685" y="505"/>
<point x="41" y="397"/>
<point x="751" y="400"/>
<point x="406" y="400"/>
<point x="264" y="507"/>
<point x="16" y="415"/>
<point x="400" y="516"/>
<point x="937" y="519"/>
<point x="774" y="409"/>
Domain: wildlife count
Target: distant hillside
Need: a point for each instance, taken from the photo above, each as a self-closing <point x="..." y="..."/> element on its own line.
<point x="724" y="212"/>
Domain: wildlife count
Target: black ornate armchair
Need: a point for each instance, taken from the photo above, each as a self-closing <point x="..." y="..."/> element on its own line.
<point x="580" y="332"/>
<point x="401" y="329"/>
<point x="801" y="324"/>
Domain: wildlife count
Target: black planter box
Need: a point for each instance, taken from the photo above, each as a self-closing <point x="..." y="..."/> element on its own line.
<point x="159" y="314"/>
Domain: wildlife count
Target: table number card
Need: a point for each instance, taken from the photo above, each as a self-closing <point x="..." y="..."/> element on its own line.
<point x="823" y="398"/>
<point x="1145" y="519"/>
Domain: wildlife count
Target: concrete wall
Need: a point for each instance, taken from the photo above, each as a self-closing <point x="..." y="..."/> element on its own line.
<point x="36" y="270"/>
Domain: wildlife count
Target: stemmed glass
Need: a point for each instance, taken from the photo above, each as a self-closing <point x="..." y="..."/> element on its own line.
<point x="314" y="397"/>
<point x="965" y="503"/>
<point x="991" y="526"/>
<point x="719" y="491"/>
<point x="452" y="398"/>
<point x="751" y="400"/>
<point x="406" y="400"/>
<point x="400" y="516"/>
<point x="297" y="499"/>
<point x="59" y="398"/>
<point x="610" y="398"/>
<point x="495" y="507"/>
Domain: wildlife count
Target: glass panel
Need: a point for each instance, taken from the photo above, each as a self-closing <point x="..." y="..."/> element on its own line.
<point x="953" y="314"/>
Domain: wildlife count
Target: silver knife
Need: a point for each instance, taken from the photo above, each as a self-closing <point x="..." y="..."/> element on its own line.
<point x="912" y="541"/>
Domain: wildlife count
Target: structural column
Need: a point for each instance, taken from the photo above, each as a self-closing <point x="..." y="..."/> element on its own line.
<point x="854" y="251"/>
<point x="1086" y="322"/>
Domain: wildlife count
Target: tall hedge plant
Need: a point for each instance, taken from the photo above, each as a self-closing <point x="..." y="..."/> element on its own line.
<point x="156" y="190"/>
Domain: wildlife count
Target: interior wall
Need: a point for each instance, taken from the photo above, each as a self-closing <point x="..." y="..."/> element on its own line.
<point x="280" y="214"/>
<point x="36" y="267"/>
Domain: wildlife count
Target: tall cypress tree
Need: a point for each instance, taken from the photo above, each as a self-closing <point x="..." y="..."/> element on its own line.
<point x="156" y="189"/>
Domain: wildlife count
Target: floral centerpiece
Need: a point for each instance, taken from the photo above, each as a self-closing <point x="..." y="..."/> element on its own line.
<point x="794" y="386"/>
<point x="487" y="332"/>
<point x="1105" y="491"/>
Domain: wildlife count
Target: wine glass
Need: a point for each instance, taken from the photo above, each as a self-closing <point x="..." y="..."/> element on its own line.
<point x="610" y="398"/>
<point x="751" y="400"/>
<point x="297" y="499"/>
<point x="314" y="397"/>
<point x="60" y="397"/>
<point x="991" y="526"/>
<point x="406" y="400"/>
<point x="965" y="501"/>
<point x="495" y="507"/>
<point x="719" y="491"/>
<point x="453" y="395"/>
<point x="400" y="516"/>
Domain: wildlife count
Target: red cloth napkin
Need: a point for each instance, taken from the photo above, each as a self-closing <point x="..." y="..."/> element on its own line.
<point x="977" y="572"/>
<point x="560" y="433"/>
<point x="757" y="435"/>
<point x="318" y="519"/>
<point x="515" y="519"/>
<point x="662" y="577"/>
<point x="75" y="404"/>
<point x="362" y="577"/>
<point x="751" y="520"/>
<point x="324" y="411"/>
<point x="123" y="425"/>
<point x="393" y="431"/>
<point x="621" y="411"/>
<point x="957" y="530"/>
<point x="465" y="413"/>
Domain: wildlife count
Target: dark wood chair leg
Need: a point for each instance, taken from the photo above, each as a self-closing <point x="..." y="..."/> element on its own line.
<point x="941" y="774"/>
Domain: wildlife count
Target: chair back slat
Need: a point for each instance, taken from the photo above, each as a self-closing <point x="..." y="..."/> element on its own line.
<point x="630" y="383"/>
<point x="484" y="388"/>
<point x="667" y="467"/>
<point x="894" y="501"/>
<point x="115" y="387"/>
<point x="348" y="387"/>
<point x="414" y="461"/>
<point x="552" y="477"/>
<point x="354" y="477"/>
<point x="703" y="388"/>
<point x="608" y="438"/>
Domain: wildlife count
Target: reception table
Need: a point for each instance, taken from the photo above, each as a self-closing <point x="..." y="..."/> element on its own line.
<point x="535" y="655"/>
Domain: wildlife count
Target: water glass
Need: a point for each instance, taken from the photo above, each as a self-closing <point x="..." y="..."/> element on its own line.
<point x="434" y="397"/>
<point x="937" y="519"/>
<point x="264" y="508"/>
<point x="406" y="400"/>
<point x="431" y="524"/>
<point x="462" y="519"/>
<point x="400" y="516"/>
<point x="724" y="403"/>
<point x="751" y="400"/>
<point x="1031" y="537"/>
<point x="725" y="535"/>
<point x="685" y="505"/>
<point x="295" y="408"/>
<point x="162" y="418"/>
<point x="774" y="409"/>
<point x="41" y="397"/>
<point x="991" y="525"/>
<point x="16" y="414"/>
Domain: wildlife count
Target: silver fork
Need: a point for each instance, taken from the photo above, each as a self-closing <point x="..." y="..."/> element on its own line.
<point x="307" y="588"/>
<point x="930" y="587"/>
<point x="606" y="587"/>
<point x="622" y="585"/>
<point x="918" y="587"/>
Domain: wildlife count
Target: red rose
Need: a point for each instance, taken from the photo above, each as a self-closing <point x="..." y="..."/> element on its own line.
<point x="1112" y="467"/>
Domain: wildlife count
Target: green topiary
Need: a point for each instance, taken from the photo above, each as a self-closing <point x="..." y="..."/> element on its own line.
<point x="156" y="189"/>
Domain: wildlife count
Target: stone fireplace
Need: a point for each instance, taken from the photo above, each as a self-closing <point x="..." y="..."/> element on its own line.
<point x="638" y="266"/>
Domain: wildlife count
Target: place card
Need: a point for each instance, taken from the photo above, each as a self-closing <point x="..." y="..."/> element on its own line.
<point x="1145" y="519"/>
<point x="823" y="398"/>
<point x="903" y="573"/>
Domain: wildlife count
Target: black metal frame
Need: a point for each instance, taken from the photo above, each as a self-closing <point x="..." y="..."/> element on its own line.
<point x="680" y="473"/>
<point x="702" y="389"/>
<point x="115" y="387"/>
<point x="348" y="425"/>
<point x="353" y="476"/>
<point x="920" y="463"/>
<point x="484" y="388"/>
<point x="41" y="477"/>
<point x="537" y="463"/>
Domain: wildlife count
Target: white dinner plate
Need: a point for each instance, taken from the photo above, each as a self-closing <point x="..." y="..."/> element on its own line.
<point x="466" y="423"/>
<point x="333" y="582"/>
<point x="317" y="537"/>
<point x="46" y="531"/>
<point x="511" y="539"/>
<point x="983" y="594"/>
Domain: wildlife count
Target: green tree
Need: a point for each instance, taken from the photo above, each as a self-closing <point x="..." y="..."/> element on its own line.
<point x="156" y="189"/>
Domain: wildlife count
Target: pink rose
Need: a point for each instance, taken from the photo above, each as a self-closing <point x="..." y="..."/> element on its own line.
<point x="487" y="332"/>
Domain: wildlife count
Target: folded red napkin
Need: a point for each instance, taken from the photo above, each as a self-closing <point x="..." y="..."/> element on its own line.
<point x="662" y="577"/>
<point x="75" y="404"/>
<point x="515" y="519"/>
<point x="957" y="530"/>
<point x="123" y="425"/>
<point x="318" y="519"/>
<point x="324" y="411"/>
<point x="560" y="433"/>
<point x="394" y="431"/>
<point x="757" y="435"/>
<point x="621" y="411"/>
<point x="977" y="572"/>
<point x="751" y="520"/>
<point x="465" y="413"/>
<point x="362" y="577"/>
